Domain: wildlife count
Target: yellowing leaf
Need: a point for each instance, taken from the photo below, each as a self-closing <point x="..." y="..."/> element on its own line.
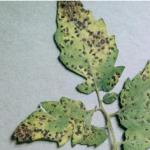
<point x="59" y="122"/>
<point x="135" y="111"/>
<point x="86" y="48"/>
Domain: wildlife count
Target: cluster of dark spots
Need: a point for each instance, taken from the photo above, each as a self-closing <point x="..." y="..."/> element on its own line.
<point x="38" y="130"/>
<point x="79" y="131"/>
<point x="107" y="40"/>
<point x="100" y="43"/>
<point x="89" y="72"/>
<point x="23" y="133"/>
<point x="72" y="124"/>
<point x="108" y="53"/>
<point x="85" y="19"/>
<point x="41" y="123"/>
<point x="90" y="32"/>
<point x="89" y="43"/>
<point x="66" y="40"/>
<point x="76" y="30"/>
<point x="61" y="46"/>
<point x="43" y="117"/>
<point x="80" y="24"/>
<point x="144" y="77"/>
<point x="65" y="31"/>
<point x="45" y="133"/>
<point x="73" y="12"/>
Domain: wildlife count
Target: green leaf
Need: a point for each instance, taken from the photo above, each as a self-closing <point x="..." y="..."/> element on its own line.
<point x="59" y="122"/>
<point x="109" y="98"/>
<point x="86" y="48"/>
<point x="135" y="111"/>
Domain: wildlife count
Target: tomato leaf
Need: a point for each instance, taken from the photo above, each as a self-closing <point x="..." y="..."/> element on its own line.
<point x="60" y="121"/>
<point x="86" y="48"/>
<point x="109" y="98"/>
<point x="135" y="111"/>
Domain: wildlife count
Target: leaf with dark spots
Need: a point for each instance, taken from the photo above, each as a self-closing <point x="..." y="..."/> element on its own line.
<point x="109" y="98"/>
<point x="59" y="121"/>
<point x="135" y="111"/>
<point x="94" y="51"/>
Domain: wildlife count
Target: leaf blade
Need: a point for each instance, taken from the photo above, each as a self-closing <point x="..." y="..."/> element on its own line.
<point x="85" y="47"/>
<point x="59" y="122"/>
<point x="109" y="98"/>
<point x="134" y="114"/>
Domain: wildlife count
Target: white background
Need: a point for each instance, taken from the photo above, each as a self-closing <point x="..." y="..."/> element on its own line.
<point x="30" y="71"/>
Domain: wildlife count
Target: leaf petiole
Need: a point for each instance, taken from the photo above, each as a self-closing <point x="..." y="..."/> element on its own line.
<point x="108" y="122"/>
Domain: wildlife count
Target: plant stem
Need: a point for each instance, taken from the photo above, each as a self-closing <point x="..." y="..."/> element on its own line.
<point x="113" y="114"/>
<point x="114" y="144"/>
<point x="108" y="122"/>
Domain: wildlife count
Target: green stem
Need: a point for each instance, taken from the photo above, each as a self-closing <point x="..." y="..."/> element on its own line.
<point x="114" y="143"/>
<point x="108" y="122"/>
<point x="113" y="114"/>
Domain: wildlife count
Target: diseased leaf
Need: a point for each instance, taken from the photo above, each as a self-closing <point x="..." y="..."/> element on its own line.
<point x="109" y="98"/>
<point x="135" y="111"/>
<point x="92" y="136"/>
<point x="59" y="122"/>
<point x="86" y="48"/>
